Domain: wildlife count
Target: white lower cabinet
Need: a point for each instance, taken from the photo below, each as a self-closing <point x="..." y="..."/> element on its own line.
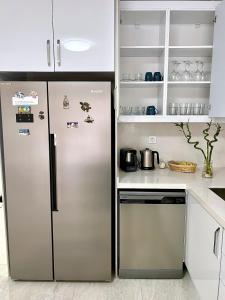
<point x="203" y="250"/>
<point x="221" y="291"/>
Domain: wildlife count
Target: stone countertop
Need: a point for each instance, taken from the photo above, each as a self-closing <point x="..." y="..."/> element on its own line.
<point x="193" y="183"/>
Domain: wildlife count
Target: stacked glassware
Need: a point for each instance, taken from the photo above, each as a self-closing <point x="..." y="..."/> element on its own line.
<point x="197" y="74"/>
<point x="132" y="110"/>
<point x="188" y="109"/>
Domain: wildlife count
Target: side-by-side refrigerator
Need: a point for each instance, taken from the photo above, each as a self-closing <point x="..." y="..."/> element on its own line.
<point x="56" y="155"/>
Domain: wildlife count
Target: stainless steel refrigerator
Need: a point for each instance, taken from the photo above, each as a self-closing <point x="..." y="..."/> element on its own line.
<point x="57" y="178"/>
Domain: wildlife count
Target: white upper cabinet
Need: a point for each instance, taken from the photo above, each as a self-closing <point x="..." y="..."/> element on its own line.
<point x="217" y="93"/>
<point x="26" y="35"/>
<point x="84" y="35"/>
<point x="203" y="250"/>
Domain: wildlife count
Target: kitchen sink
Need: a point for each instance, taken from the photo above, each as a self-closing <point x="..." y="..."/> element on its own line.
<point x="219" y="191"/>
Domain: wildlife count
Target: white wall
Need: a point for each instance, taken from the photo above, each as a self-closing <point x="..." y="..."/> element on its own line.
<point x="171" y="144"/>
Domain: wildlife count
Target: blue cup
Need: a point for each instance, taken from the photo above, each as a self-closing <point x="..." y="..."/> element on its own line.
<point x="148" y="76"/>
<point x="151" y="110"/>
<point x="157" y="76"/>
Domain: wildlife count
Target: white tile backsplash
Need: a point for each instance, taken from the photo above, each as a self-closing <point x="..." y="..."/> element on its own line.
<point x="171" y="143"/>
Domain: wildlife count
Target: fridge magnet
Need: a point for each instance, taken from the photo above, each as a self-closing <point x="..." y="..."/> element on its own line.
<point x="24" y="131"/>
<point x="85" y="106"/>
<point x="19" y="99"/>
<point x="24" y="109"/>
<point x="66" y="103"/>
<point x="41" y="115"/>
<point x="89" y="119"/>
<point x="72" y="124"/>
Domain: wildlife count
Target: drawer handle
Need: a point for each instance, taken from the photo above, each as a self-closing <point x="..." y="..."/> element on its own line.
<point x="215" y="243"/>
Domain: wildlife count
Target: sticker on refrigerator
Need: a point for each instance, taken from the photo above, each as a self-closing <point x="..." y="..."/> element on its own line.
<point x="72" y="124"/>
<point x="85" y="106"/>
<point x="24" y="131"/>
<point x="66" y="103"/>
<point x="89" y="119"/>
<point x="19" y="99"/>
<point x="24" y="109"/>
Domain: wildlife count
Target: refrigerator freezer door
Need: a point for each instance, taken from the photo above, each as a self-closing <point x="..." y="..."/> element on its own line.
<point x="80" y="118"/>
<point x="26" y="165"/>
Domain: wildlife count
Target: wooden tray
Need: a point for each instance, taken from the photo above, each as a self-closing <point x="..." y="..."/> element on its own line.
<point x="182" y="166"/>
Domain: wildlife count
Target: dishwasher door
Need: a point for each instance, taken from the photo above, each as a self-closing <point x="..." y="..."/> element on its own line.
<point x="151" y="234"/>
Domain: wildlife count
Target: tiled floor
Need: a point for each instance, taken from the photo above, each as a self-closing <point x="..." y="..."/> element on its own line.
<point x="116" y="290"/>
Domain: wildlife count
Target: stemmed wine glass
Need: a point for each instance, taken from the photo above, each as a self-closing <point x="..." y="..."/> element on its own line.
<point x="187" y="74"/>
<point x="199" y="74"/>
<point x="175" y="75"/>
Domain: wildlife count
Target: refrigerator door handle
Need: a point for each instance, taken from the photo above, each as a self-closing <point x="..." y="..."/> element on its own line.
<point x="53" y="172"/>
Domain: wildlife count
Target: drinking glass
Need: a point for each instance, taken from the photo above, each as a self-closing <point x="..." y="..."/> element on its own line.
<point x="139" y="76"/>
<point x="137" y="110"/>
<point x="175" y="75"/>
<point x="202" y="109"/>
<point x="143" y="110"/>
<point x="196" y="109"/>
<point x="125" y="76"/>
<point x="203" y="74"/>
<point x="183" y="108"/>
<point x="186" y="76"/>
<point x="197" y="74"/>
<point x="189" y="110"/>
<point x="172" y="108"/>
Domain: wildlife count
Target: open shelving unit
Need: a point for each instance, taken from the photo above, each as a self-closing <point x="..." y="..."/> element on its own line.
<point x="151" y="38"/>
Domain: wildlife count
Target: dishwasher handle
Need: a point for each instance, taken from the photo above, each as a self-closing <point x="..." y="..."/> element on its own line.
<point x="158" y="200"/>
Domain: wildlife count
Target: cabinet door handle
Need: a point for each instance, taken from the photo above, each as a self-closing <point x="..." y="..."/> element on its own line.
<point x="215" y="243"/>
<point x="58" y="53"/>
<point x="48" y="53"/>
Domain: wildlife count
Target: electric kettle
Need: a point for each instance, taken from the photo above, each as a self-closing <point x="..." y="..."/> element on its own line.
<point x="147" y="159"/>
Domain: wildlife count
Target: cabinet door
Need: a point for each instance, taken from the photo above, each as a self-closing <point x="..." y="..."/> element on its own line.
<point x="217" y="92"/>
<point x="84" y="35"/>
<point x="26" y="35"/>
<point x="203" y="245"/>
<point x="221" y="291"/>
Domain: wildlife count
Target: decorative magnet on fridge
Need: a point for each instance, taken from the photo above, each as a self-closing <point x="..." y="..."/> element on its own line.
<point x="89" y="119"/>
<point x="66" y="103"/>
<point x="85" y="106"/>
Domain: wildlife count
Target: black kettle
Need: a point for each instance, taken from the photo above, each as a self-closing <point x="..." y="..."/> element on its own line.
<point x="148" y="159"/>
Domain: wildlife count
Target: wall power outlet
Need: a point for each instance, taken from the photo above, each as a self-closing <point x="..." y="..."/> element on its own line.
<point x="152" y="140"/>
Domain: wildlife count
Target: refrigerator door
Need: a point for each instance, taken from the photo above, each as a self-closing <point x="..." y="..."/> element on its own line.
<point x="26" y="166"/>
<point x="80" y="118"/>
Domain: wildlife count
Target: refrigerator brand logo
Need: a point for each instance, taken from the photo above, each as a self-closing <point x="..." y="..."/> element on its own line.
<point x="96" y="91"/>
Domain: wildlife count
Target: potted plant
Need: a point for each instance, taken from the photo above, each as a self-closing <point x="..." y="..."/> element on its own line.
<point x="209" y="138"/>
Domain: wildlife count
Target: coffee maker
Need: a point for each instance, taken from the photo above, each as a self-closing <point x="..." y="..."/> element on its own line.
<point x="128" y="160"/>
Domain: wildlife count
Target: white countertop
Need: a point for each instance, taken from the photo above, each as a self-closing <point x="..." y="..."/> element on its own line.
<point x="193" y="183"/>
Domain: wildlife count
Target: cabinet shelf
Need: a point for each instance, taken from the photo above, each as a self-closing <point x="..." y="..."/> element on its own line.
<point x="140" y="84"/>
<point x="189" y="83"/>
<point x="190" y="51"/>
<point x="141" y="51"/>
<point x="162" y="119"/>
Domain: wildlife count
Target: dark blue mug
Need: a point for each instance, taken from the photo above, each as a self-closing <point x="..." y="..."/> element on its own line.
<point x="151" y="110"/>
<point x="157" y="76"/>
<point x="148" y="76"/>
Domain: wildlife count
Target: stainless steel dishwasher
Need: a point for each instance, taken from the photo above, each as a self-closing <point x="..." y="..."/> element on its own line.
<point x="151" y="233"/>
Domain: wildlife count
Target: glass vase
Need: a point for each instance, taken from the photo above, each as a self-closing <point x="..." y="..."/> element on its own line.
<point x="207" y="170"/>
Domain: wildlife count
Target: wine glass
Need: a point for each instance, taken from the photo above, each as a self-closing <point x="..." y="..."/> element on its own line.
<point x="186" y="76"/>
<point x="175" y="75"/>
<point x="203" y="74"/>
<point x="197" y="73"/>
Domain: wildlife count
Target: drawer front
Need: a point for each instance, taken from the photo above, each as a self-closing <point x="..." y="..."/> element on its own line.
<point x="221" y="291"/>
